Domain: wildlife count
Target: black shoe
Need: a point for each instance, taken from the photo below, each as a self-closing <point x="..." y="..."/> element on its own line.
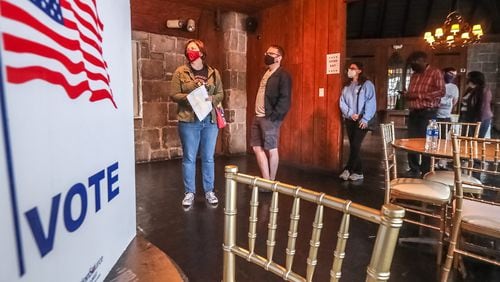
<point x="411" y="173"/>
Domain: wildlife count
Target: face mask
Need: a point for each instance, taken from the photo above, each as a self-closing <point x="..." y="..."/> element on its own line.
<point x="416" y="67"/>
<point x="268" y="60"/>
<point x="448" y="77"/>
<point x="351" y="73"/>
<point x="193" y="55"/>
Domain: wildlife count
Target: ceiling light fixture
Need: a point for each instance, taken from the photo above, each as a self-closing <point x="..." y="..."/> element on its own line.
<point x="455" y="32"/>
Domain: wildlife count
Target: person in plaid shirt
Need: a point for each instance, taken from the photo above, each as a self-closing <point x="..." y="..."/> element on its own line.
<point x="424" y="94"/>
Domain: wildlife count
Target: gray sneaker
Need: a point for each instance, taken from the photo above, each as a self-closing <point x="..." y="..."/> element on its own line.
<point x="211" y="198"/>
<point x="188" y="199"/>
<point x="344" y="175"/>
<point x="355" y="177"/>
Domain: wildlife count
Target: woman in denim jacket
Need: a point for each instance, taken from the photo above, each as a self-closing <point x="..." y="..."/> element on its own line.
<point x="195" y="133"/>
<point x="358" y="106"/>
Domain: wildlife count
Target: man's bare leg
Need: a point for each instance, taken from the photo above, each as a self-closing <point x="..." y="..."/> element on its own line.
<point x="262" y="161"/>
<point x="273" y="163"/>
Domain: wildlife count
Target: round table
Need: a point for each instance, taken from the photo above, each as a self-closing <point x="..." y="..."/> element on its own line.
<point x="445" y="148"/>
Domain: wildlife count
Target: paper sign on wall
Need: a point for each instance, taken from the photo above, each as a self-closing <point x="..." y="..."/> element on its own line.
<point x="333" y="63"/>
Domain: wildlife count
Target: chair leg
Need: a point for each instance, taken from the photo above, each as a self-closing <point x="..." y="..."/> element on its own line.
<point x="422" y="219"/>
<point x="442" y="230"/>
<point x="461" y="267"/>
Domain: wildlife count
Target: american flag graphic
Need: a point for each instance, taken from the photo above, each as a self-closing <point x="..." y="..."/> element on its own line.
<point x="57" y="41"/>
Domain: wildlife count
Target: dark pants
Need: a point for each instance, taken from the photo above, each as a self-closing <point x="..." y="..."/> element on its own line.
<point x="483" y="129"/>
<point x="417" y="125"/>
<point x="356" y="136"/>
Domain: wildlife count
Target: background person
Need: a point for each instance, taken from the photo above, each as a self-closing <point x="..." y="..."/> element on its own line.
<point x="447" y="104"/>
<point x="424" y="97"/>
<point x="358" y="105"/>
<point x="476" y="102"/>
<point x="194" y="133"/>
<point x="450" y="97"/>
<point x="271" y="106"/>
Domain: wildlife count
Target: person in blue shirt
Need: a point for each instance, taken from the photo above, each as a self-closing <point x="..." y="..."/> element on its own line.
<point x="358" y="106"/>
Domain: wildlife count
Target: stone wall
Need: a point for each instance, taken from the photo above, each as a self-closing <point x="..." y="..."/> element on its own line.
<point x="156" y="136"/>
<point x="234" y="78"/>
<point x="485" y="57"/>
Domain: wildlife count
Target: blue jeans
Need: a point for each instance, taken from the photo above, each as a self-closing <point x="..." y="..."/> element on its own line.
<point x="194" y="135"/>
<point x="483" y="129"/>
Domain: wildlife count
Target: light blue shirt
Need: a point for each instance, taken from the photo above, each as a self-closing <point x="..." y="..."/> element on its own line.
<point x="367" y="101"/>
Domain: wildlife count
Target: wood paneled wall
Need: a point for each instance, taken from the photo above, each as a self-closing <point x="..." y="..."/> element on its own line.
<point x="308" y="30"/>
<point x="375" y="54"/>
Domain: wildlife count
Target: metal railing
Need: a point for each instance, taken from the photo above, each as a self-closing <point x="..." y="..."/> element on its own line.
<point x="389" y="219"/>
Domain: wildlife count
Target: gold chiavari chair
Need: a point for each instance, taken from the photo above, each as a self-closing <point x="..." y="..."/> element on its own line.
<point x="447" y="177"/>
<point x="473" y="216"/>
<point x="389" y="219"/>
<point x="418" y="196"/>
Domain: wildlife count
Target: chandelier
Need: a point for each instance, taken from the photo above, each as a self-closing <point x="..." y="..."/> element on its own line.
<point x="455" y="32"/>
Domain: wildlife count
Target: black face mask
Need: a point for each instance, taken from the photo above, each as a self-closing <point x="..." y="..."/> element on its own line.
<point x="416" y="67"/>
<point x="268" y="60"/>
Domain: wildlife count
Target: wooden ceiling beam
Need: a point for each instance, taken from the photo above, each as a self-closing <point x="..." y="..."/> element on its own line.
<point x="430" y="4"/>
<point x="362" y="24"/>
<point x="473" y="10"/>
<point x="492" y="25"/>
<point x="495" y="16"/>
<point x="382" y="12"/>
<point x="405" y="19"/>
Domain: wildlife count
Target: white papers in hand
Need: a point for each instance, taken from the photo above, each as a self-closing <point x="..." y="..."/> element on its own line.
<point x="198" y="100"/>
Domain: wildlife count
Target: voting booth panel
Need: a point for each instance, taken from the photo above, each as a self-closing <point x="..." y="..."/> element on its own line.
<point x="67" y="188"/>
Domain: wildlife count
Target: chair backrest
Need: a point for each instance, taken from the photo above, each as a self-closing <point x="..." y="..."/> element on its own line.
<point x="448" y="128"/>
<point x="465" y="129"/>
<point x="483" y="159"/>
<point x="390" y="164"/>
<point x="389" y="219"/>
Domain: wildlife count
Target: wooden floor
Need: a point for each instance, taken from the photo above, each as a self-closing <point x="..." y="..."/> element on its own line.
<point x="142" y="261"/>
<point x="193" y="238"/>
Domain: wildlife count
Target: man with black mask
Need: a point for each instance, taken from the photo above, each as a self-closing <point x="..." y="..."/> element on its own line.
<point x="424" y="96"/>
<point x="271" y="106"/>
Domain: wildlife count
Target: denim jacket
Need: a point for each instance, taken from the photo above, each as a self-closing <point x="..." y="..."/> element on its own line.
<point x="183" y="82"/>
<point x="367" y="101"/>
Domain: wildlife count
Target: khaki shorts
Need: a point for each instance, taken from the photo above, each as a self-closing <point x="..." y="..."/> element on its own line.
<point x="265" y="133"/>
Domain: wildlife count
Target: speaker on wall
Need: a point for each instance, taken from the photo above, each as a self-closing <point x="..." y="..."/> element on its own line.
<point x="251" y="24"/>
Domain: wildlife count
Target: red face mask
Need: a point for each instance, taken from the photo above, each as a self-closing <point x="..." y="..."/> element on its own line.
<point x="193" y="55"/>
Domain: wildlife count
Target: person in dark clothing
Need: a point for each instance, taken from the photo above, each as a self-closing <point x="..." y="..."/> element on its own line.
<point x="476" y="102"/>
<point x="271" y="106"/>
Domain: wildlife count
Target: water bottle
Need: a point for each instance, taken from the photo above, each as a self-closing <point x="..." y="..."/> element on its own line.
<point x="431" y="136"/>
<point x="435" y="136"/>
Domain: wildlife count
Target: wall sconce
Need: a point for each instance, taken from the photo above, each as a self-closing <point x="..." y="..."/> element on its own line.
<point x="188" y="25"/>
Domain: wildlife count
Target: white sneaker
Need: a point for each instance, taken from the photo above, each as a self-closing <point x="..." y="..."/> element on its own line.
<point x="442" y="164"/>
<point x="355" y="177"/>
<point x="188" y="199"/>
<point x="211" y="198"/>
<point x="344" y="175"/>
